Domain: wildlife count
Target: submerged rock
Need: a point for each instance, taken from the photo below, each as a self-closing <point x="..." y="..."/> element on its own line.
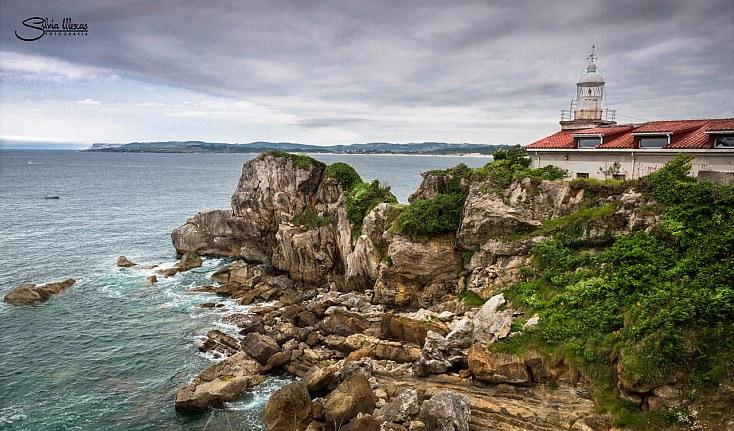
<point x="220" y="383"/>
<point x="30" y="293"/>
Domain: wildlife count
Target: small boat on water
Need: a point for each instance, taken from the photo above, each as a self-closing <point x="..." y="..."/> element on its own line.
<point x="51" y="197"/>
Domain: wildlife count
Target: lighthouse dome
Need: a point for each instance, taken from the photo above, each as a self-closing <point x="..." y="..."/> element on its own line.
<point x="591" y="76"/>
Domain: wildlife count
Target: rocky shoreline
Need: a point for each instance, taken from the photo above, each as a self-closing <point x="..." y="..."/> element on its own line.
<point x="369" y="319"/>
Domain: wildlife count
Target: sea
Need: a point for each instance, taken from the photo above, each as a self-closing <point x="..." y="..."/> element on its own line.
<point x="110" y="352"/>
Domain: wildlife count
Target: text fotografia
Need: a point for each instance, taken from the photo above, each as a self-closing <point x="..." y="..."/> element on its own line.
<point x="37" y="27"/>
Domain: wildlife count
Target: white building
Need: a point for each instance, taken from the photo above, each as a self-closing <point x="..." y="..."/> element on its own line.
<point x="592" y="145"/>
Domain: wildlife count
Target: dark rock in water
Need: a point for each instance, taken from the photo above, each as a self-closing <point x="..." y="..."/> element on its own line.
<point x="220" y="383"/>
<point x="239" y="320"/>
<point x="152" y="279"/>
<point x="289" y="408"/>
<point x="124" y="262"/>
<point x="30" y="293"/>
<point x="168" y="272"/>
<point x="223" y="338"/>
<point x="207" y="305"/>
<point x="261" y="347"/>
<point x="446" y="411"/>
<point x="351" y="397"/>
<point x="188" y="261"/>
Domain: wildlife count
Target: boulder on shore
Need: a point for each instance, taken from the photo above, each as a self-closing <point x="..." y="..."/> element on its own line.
<point x="124" y="262"/>
<point x="220" y="383"/>
<point x="446" y="411"/>
<point x="30" y="293"/>
<point x="351" y="397"/>
<point x="189" y="261"/>
<point x="289" y="408"/>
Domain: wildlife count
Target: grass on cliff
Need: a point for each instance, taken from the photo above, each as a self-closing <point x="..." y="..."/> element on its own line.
<point x="660" y="302"/>
<point x="441" y="215"/>
<point x="299" y="160"/>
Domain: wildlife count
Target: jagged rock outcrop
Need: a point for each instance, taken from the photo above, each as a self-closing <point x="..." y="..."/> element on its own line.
<point x="207" y="233"/>
<point x="124" y="262"/>
<point x="520" y="209"/>
<point x="31" y="293"/>
<point x="421" y="272"/>
<point x="220" y="383"/>
<point x="446" y="411"/>
<point x="493" y="367"/>
<point x="491" y="324"/>
<point x="308" y="255"/>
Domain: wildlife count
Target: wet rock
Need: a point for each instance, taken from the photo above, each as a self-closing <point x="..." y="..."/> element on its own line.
<point x="151" y="279"/>
<point x="491" y="324"/>
<point x="220" y="383"/>
<point x="124" y="262"/>
<point x="222" y="338"/>
<point x="207" y="305"/>
<point x="351" y="397"/>
<point x="261" y="347"/>
<point x="289" y="408"/>
<point x="31" y="293"/>
<point x="493" y="367"/>
<point x="401" y="328"/>
<point x="446" y="411"/>
<point x="276" y="361"/>
<point x="402" y="409"/>
<point x="189" y="261"/>
<point x="167" y="272"/>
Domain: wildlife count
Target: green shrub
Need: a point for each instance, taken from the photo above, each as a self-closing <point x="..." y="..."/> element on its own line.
<point x="310" y="219"/>
<point x="434" y="217"/>
<point x="344" y="173"/>
<point x="470" y="298"/>
<point x="363" y="197"/>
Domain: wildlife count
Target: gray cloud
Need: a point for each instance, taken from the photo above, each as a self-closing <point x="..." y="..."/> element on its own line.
<point x="499" y="56"/>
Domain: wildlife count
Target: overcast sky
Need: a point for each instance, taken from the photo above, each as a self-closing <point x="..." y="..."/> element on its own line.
<point x="340" y="72"/>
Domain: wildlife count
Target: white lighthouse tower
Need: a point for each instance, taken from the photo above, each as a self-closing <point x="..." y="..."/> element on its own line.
<point x="586" y="107"/>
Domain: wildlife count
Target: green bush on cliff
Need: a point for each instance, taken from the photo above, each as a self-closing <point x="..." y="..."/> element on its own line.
<point x="344" y="173"/>
<point x="661" y="302"/>
<point x="299" y="160"/>
<point x="363" y="198"/>
<point x="433" y="217"/>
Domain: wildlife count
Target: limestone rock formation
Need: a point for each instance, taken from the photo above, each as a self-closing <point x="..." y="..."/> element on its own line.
<point x="220" y="383"/>
<point x="288" y="408"/>
<point x="207" y="233"/>
<point x="402" y="328"/>
<point x="446" y="411"/>
<point x="30" y="293"/>
<point x="124" y="262"/>
<point x="402" y="409"/>
<point x="351" y="397"/>
<point x="491" y="324"/>
<point x="493" y="367"/>
<point x="189" y="261"/>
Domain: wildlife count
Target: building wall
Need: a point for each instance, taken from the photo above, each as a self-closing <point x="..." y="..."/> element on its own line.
<point x="634" y="164"/>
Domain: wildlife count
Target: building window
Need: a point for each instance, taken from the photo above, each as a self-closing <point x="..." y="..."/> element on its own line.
<point x="588" y="142"/>
<point x="653" y="142"/>
<point x="724" y="142"/>
<point x="619" y="177"/>
<point x="582" y="175"/>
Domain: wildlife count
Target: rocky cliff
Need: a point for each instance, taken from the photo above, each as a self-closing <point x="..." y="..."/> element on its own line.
<point x="348" y="291"/>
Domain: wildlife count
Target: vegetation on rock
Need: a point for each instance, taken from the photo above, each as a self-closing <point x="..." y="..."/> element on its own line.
<point x="363" y="197"/>
<point x="299" y="160"/>
<point x="344" y="173"/>
<point x="659" y="304"/>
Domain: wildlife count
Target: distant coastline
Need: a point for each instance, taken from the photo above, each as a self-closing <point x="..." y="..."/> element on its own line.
<point x="424" y="148"/>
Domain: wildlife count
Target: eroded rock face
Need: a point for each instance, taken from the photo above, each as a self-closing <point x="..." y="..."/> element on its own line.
<point x="446" y="411"/>
<point x="207" y="233"/>
<point x="487" y="215"/>
<point x="493" y="367"/>
<point x="30" y="293"/>
<point x="189" y="261"/>
<point x="402" y="328"/>
<point x="220" y="383"/>
<point x="288" y="408"/>
<point x="307" y="255"/>
<point x="491" y="324"/>
<point x="351" y="397"/>
<point x="421" y="272"/>
<point x="402" y="409"/>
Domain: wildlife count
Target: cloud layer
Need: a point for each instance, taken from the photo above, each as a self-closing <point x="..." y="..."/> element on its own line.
<point x="326" y="72"/>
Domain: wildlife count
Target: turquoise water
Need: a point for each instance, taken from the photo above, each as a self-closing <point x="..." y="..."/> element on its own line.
<point x="111" y="352"/>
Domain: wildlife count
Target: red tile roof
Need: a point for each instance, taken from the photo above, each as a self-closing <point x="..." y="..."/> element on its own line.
<point x="606" y="131"/>
<point x="669" y="126"/>
<point x="562" y="139"/>
<point x="690" y="134"/>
